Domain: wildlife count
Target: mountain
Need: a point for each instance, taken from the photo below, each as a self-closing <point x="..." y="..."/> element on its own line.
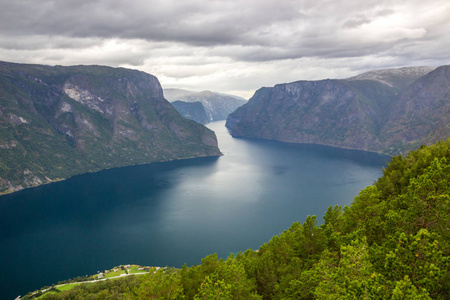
<point x="191" y="110"/>
<point x="396" y="78"/>
<point x="176" y="94"/>
<point x="422" y="114"/>
<point x="386" y="111"/>
<point x="58" y="121"/>
<point x="217" y="105"/>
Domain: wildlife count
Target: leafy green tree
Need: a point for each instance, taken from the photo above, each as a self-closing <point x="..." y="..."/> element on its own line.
<point x="333" y="227"/>
<point x="404" y="290"/>
<point x="161" y="284"/>
<point x="349" y="277"/>
<point x="214" y="289"/>
<point x="229" y="281"/>
<point x="426" y="202"/>
<point x="418" y="257"/>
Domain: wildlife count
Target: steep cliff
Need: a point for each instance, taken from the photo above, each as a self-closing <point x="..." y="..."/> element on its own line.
<point x="192" y="110"/>
<point x="217" y="106"/>
<point x="56" y="122"/>
<point x="367" y="112"/>
<point x="422" y="114"/>
<point x="398" y="78"/>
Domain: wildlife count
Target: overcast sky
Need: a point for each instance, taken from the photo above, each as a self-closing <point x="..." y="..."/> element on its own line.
<point x="234" y="46"/>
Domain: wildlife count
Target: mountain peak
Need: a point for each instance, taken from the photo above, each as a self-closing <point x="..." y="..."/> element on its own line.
<point x="389" y="111"/>
<point x="397" y="78"/>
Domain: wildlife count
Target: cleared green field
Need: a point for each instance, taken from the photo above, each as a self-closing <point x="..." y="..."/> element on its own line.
<point x="114" y="274"/>
<point x="135" y="269"/>
<point x="68" y="286"/>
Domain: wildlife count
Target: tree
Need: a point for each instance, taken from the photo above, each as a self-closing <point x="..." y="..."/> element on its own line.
<point x="418" y="257"/>
<point x="161" y="284"/>
<point x="229" y="281"/>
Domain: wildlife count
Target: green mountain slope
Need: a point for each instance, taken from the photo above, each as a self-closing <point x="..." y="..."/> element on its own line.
<point x="422" y="114"/>
<point x="367" y="112"/>
<point x="392" y="242"/>
<point x="56" y="122"/>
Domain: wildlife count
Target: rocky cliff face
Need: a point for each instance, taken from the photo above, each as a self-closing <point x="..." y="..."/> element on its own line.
<point x="396" y="78"/>
<point x="422" y="114"/>
<point x="56" y="122"/>
<point x="217" y="106"/>
<point x="365" y="112"/>
<point x="192" y="110"/>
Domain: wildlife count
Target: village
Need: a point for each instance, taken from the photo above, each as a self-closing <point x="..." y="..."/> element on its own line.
<point x="116" y="272"/>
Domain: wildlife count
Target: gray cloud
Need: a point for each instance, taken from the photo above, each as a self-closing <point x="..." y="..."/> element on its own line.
<point x="198" y="42"/>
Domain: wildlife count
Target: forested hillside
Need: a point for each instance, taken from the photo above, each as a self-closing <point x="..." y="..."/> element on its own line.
<point x="391" y="243"/>
<point x="57" y="122"/>
<point x="388" y="111"/>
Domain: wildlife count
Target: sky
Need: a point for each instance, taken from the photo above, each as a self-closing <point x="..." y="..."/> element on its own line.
<point x="229" y="46"/>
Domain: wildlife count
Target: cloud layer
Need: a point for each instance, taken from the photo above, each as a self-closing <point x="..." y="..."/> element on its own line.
<point x="225" y="45"/>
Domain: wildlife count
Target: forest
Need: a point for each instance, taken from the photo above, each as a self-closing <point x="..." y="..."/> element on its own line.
<point x="392" y="242"/>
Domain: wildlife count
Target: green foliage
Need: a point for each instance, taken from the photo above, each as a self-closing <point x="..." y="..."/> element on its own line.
<point x="405" y="290"/>
<point x="110" y="289"/>
<point x="391" y="243"/>
<point x="350" y="275"/>
<point x="229" y="281"/>
<point x="420" y="258"/>
<point x="161" y="284"/>
<point x="45" y="135"/>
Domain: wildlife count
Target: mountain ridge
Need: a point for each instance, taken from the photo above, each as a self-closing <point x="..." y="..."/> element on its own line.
<point x="347" y="113"/>
<point x="217" y="105"/>
<point x="56" y="122"/>
<point x="192" y="110"/>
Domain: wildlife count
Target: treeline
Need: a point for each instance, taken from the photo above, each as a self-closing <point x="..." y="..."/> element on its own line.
<point x="391" y="243"/>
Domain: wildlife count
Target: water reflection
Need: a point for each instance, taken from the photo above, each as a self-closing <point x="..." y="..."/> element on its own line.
<point x="172" y="213"/>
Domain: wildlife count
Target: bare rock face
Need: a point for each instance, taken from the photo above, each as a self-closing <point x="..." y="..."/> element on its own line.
<point x="422" y="114"/>
<point x="217" y="106"/>
<point x="389" y="112"/>
<point x="58" y="121"/>
<point x="396" y="78"/>
<point x="192" y="110"/>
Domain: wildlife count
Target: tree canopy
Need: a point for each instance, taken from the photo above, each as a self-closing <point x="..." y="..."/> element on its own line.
<point x="391" y="243"/>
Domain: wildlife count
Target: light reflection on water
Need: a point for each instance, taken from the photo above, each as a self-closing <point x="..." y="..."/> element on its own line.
<point x="172" y="213"/>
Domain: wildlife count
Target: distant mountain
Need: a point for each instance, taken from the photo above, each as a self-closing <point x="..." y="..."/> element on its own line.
<point x="396" y="78"/>
<point x="387" y="111"/>
<point x="192" y="111"/>
<point x="56" y="122"/>
<point x="176" y="94"/>
<point x="217" y="105"/>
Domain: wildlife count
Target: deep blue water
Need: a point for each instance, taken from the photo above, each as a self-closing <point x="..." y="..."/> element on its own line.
<point x="173" y="213"/>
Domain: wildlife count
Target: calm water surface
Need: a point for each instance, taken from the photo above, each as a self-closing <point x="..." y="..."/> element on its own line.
<point x="172" y="213"/>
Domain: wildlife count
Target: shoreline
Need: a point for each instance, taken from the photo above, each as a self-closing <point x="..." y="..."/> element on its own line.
<point x="9" y="192"/>
<point x="97" y="278"/>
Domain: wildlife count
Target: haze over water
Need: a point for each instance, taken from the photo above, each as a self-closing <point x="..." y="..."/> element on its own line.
<point x="173" y="213"/>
